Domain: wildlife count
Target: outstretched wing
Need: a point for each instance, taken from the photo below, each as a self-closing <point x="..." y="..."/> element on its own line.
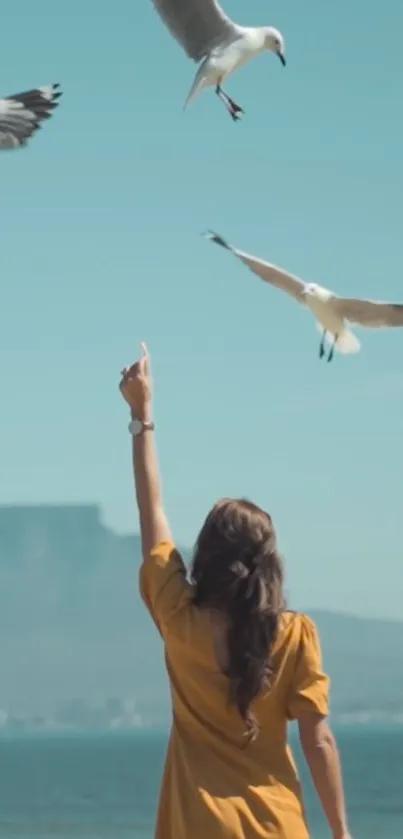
<point x="198" y="25"/>
<point x="370" y="312"/>
<point x="21" y="114"/>
<point x="267" y="272"/>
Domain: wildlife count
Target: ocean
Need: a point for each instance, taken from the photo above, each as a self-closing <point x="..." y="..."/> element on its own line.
<point x="106" y="786"/>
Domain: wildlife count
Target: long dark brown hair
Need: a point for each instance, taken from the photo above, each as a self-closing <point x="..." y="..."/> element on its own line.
<point x="238" y="571"/>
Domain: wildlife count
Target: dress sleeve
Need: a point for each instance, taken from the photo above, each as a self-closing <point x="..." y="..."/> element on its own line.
<point x="163" y="585"/>
<point x="310" y="685"/>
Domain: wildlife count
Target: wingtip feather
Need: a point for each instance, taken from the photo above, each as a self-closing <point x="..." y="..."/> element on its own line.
<point x="215" y="237"/>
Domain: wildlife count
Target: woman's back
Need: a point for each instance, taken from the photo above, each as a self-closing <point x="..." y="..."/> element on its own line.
<point x="214" y="779"/>
<point x="239" y="665"/>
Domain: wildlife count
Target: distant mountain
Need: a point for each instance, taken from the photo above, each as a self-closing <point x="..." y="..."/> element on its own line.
<point x="73" y="630"/>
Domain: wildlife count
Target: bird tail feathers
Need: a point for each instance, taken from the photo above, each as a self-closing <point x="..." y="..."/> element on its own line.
<point x="348" y="343"/>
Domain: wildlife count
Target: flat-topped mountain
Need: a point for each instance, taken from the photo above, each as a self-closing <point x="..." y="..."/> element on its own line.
<point x="72" y="625"/>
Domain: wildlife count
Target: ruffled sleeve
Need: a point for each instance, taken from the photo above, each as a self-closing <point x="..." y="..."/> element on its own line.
<point x="163" y="585"/>
<point x="310" y="685"/>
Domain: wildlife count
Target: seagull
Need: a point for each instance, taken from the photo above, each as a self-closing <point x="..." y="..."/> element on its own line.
<point x="21" y="115"/>
<point x="209" y="36"/>
<point x="331" y="312"/>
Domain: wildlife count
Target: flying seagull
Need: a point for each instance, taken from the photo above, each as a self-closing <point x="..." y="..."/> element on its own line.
<point x="21" y="115"/>
<point x="209" y="36"/>
<point x="332" y="312"/>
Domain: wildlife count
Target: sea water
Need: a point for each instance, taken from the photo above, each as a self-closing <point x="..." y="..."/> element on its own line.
<point x="106" y="786"/>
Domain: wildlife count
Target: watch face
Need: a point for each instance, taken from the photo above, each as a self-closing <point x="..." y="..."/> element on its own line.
<point x="135" y="427"/>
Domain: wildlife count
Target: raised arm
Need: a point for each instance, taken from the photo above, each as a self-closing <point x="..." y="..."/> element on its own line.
<point x="136" y="388"/>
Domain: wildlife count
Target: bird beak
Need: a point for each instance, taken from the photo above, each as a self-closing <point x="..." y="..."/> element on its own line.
<point x="282" y="58"/>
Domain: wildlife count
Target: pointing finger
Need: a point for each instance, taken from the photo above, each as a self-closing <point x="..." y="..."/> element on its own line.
<point x="145" y="358"/>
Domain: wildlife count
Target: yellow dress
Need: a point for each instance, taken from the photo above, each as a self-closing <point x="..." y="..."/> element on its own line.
<point x="213" y="787"/>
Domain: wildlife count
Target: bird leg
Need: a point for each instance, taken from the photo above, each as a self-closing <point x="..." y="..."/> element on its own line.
<point x="233" y="109"/>
<point x="331" y="353"/>
<point x="322" y="345"/>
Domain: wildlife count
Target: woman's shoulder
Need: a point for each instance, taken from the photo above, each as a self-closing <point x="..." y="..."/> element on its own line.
<point x="296" y="627"/>
<point x="290" y="616"/>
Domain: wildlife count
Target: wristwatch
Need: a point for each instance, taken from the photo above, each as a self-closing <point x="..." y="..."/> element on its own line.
<point x="137" y="427"/>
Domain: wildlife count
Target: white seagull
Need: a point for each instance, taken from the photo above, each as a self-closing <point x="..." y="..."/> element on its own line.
<point x="209" y="36"/>
<point x="21" y="115"/>
<point x="331" y="312"/>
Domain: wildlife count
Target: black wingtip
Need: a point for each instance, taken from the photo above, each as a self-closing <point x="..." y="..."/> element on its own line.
<point x="57" y="92"/>
<point x="215" y="237"/>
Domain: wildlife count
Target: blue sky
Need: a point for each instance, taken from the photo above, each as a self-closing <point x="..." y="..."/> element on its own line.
<point x="101" y="247"/>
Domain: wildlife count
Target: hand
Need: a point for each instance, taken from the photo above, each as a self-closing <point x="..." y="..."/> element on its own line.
<point x="136" y="386"/>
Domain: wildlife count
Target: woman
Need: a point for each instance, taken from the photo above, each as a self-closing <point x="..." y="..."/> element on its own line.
<point x="240" y="666"/>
